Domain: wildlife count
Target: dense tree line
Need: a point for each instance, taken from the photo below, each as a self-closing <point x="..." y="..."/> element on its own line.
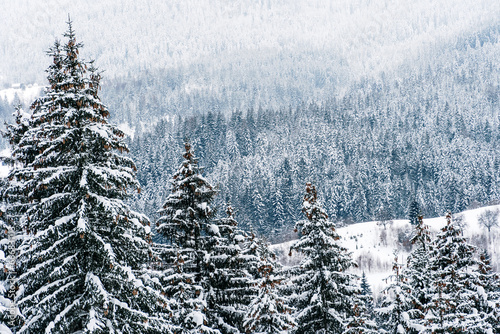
<point x="426" y="135"/>
<point x="377" y="152"/>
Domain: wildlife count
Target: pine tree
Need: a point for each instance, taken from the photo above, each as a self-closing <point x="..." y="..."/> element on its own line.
<point x="287" y="194"/>
<point x="268" y="311"/>
<point x="258" y="208"/>
<point x="83" y="261"/>
<point x="393" y="313"/>
<point x="366" y="293"/>
<point x="452" y="308"/>
<point x="185" y="223"/>
<point x="488" y="292"/>
<point x="188" y="301"/>
<point x="278" y="210"/>
<point x="229" y="279"/>
<point x="418" y="273"/>
<point x="9" y="222"/>
<point x="414" y="212"/>
<point x="326" y="297"/>
<point x="15" y="132"/>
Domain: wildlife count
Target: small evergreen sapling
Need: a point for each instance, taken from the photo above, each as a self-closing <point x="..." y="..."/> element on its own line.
<point x="366" y="294"/>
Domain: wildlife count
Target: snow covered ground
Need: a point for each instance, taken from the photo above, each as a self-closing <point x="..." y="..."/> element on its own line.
<point x="372" y="244"/>
<point x="25" y="94"/>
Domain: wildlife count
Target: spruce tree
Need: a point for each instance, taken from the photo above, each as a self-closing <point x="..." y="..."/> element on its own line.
<point x="393" y="313"/>
<point x="418" y="273"/>
<point x="229" y="279"/>
<point x="287" y="195"/>
<point x="185" y="222"/>
<point x="269" y="311"/>
<point x="414" y="212"/>
<point x="366" y="293"/>
<point x="15" y="132"/>
<point x="488" y="292"/>
<point x="277" y="211"/>
<point x="326" y="297"/>
<point x="452" y="308"/>
<point x="82" y="264"/>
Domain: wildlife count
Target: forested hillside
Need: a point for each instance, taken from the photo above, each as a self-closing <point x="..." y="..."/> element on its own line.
<point x="431" y="135"/>
<point x="163" y="58"/>
<point x="149" y="206"/>
<point x="380" y="103"/>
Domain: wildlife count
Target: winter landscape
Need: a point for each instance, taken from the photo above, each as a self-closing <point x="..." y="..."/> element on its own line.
<point x="245" y="166"/>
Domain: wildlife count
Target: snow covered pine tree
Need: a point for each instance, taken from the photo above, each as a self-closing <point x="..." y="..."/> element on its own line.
<point x="488" y="292"/>
<point x="268" y="312"/>
<point x="456" y="280"/>
<point x="326" y="297"/>
<point x="82" y="261"/>
<point x="366" y="294"/>
<point x="393" y="313"/>
<point x="5" y="266"/>
<point x="418" y="274"/>
<point x="185" y="221"/>
<point x="228" y="271"/>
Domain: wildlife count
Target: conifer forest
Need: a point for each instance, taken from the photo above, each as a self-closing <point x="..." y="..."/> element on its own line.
<point x="231" y="167"/>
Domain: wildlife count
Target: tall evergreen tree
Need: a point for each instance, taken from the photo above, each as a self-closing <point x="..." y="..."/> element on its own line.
<point x="452" y="308"/>
<point x="82" y="262"/>
<point x="185" y="222"/>
<point x="326" y="297"/>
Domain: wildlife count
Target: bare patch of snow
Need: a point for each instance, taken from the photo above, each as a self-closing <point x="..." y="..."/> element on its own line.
<point x="25" y="94"/>
<point x="127" y="130"/>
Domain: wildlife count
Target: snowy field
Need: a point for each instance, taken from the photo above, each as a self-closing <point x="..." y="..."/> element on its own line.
<point x="372" y="245"/>
<point x="25" y="94"/>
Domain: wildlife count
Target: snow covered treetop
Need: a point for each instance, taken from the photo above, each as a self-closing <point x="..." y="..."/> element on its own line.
<point x="309" y="206"/>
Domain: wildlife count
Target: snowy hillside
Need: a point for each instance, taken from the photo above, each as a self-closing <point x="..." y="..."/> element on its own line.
<point x="372" y="244"/>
